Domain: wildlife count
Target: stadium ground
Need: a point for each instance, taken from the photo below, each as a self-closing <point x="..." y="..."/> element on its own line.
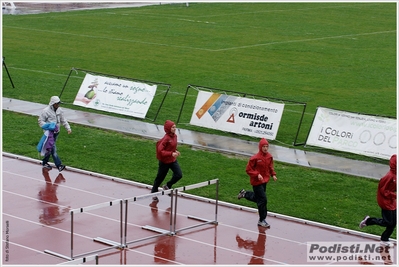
<point x="235" y="239"/>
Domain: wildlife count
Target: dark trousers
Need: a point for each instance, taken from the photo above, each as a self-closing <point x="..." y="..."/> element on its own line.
<point x="388" y="221"/>
<point x="163" y="170"/>
<point x="259" y="197"/>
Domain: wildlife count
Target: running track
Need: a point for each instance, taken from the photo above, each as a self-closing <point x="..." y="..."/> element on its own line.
<point x="36" y="219"/>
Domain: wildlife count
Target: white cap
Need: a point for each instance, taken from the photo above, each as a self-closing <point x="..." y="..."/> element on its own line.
<point x="54" y="100"/>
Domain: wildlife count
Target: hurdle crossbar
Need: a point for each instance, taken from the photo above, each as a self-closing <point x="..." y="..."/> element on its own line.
<point x="198" y="185"/>
<point x="96" y="206"/>
<point x="160" y="193"/>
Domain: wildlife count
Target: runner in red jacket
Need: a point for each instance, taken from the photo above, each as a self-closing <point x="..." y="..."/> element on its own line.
<point x="386" y="199"/>
<point x="260" y="168"/>
<point x="167" y="153"/>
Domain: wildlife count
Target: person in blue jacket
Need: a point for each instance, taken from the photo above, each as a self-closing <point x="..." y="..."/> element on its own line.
<point x="50" y="115"/>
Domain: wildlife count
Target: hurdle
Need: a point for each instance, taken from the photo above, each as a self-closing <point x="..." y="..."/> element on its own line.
<point x="112" y="244"/>
<point x="204" y="221"/>
<point x="154" y="229"/>
<point x="173" y="211"/>
<point x="122" y="244"/>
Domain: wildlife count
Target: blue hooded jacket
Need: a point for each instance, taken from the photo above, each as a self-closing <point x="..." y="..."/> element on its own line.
<point x="47" y="141"/>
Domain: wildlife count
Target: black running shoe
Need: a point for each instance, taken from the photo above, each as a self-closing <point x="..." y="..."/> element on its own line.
<point x="61" y="168"/>
<point x="47" y="166"/>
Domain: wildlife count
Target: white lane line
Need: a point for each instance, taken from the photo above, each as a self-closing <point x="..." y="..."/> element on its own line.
<point x="60" y="185"/>
<point x="231" y="250"/>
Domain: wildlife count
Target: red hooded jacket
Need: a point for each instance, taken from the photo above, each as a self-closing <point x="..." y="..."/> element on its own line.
<point x="386" y="193"/>
<point x="260" y="163"/>
<point x="167" y="145"/>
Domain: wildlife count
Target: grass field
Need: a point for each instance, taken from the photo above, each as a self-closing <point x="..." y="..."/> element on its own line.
<point x="335" y="55"/>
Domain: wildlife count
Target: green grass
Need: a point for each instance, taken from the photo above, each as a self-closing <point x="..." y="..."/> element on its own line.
<point x="335" y="55"/>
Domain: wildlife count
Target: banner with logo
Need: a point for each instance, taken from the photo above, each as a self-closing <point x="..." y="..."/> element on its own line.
<point x="356" y="133"/>
<point x="357" y="252"/>
<point x="237" y="114"/>
<point x="115" y="95"/>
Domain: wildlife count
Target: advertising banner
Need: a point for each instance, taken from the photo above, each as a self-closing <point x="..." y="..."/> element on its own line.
<point x="237" y="114"/>
<point x="115" y="95"/>
<point x="356" y="133"/>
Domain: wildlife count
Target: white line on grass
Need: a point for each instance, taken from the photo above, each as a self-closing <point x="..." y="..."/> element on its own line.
<point x="197" y="21"/>
<point x="205" y="49"/>
<point x="44" y="72"/>
<point x="305" y="40"/>
<point x="112" y="39"/>
<point x="285" y="10"/>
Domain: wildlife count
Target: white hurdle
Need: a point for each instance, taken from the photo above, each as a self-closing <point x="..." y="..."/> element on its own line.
<point x="122" y="244"/>
<point x="173" y="211"/>
<point x="111" y="243"/>
<point x="204" y="221"/>
<point x="155" y="229"/>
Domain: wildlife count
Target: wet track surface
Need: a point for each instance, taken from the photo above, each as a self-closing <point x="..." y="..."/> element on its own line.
<point x="37" y="207"/>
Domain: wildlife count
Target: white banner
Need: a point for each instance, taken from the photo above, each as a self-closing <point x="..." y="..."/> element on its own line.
<point x="356" y="133"/>
<point x="237" y="115"/>
<point x="115" y="95"/>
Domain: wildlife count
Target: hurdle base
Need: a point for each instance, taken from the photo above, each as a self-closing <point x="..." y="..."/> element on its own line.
<point x="108" y="242"/>
<point x="156" y="229"/>
<point x="57" y="255"/>
<point x="201" y="219"/>
<point x="204" y="222"/>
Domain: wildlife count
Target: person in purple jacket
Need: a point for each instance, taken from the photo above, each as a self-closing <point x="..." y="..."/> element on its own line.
<point x="167" y="153"/>
<point x="260" y="168"/>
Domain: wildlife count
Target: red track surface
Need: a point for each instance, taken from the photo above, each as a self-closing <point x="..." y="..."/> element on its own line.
<point x="36" y="218"/>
